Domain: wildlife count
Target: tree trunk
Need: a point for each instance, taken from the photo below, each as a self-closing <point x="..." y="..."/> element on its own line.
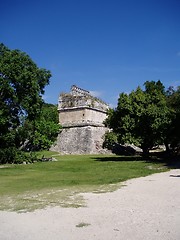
<point x="167" y="147"/>
<point x="145" y="152"/>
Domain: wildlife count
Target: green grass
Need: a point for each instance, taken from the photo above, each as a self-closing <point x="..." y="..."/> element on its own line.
<point x="82" y="224"/>
<point x="31" y="186"/>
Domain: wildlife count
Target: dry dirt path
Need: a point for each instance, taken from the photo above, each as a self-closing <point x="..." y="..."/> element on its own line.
<point x="147" y="208"/>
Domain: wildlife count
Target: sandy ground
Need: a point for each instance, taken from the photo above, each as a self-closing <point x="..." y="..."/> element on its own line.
<point x="146" y="208"/>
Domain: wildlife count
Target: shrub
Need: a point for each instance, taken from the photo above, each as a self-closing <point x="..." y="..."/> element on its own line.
<point x="13" y="155"/>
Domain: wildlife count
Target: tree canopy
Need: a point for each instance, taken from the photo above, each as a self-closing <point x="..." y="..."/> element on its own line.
<point x="173" y="132"/>
<point x="43" y="132"/>
<point x="142" y="117"/>
<point x="22" y="84"/>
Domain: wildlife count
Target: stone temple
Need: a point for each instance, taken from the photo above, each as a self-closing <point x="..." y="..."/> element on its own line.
<point x="81" y="116"/>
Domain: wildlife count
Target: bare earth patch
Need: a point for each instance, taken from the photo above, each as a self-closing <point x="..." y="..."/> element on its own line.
<point x="145" y="208"/>
<point x="70" y="197"/>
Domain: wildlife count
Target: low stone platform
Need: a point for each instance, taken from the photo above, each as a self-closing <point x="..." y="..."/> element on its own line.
<point x="80" y="140"/>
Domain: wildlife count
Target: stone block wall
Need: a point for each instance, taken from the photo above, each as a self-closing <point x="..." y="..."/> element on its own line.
<point x="80" y="140"/>
<point x="81" y="116"/>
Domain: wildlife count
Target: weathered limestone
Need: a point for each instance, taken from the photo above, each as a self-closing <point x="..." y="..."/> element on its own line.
<point x="81" y="116"/>
<point x="80" y="140"/>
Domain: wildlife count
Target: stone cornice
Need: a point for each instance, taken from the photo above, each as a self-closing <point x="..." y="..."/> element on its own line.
<point x="80" y="108"/>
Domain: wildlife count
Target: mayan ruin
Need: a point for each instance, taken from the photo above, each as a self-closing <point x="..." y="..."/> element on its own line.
<point x="81" y="116"/>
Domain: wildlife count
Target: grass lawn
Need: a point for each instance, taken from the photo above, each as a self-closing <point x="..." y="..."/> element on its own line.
<point x="32" y="186"/>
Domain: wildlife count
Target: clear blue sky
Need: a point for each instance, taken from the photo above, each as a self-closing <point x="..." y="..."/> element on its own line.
<point x="106" y="46"/>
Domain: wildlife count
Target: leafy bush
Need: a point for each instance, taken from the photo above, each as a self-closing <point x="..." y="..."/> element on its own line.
<point x="110" y="139"/>
<point x="13" y="155"/>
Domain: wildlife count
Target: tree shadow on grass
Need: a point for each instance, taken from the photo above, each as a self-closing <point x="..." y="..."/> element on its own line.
<point x="159" y="157"/>
<point x="117" y="158"/>
<point x="170" y="160"/>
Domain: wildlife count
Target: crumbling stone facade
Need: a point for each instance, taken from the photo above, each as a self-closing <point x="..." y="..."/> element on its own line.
<point x="81" y="116"/>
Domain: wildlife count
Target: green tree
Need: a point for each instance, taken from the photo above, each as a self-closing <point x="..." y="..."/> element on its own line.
<point x="173" y="132"/>
<point x="141" y="117"/>
<point x="46" y="129"/>
<point x="21" y="87"/>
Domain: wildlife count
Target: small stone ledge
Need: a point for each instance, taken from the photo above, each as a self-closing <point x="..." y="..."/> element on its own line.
<point x="85" y="124"/>
<point x="69" y="109"/>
